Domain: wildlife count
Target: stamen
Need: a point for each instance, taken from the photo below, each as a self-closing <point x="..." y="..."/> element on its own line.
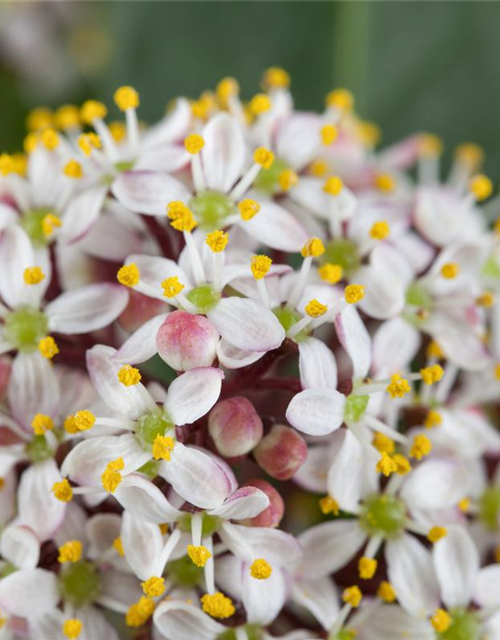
<point x="111" y="477"/>
<point x="129" y="376"/>
<point x="140" y="612"/>
<point x="128" y="275"/>
<point x="330" y="273"/>
<point x="194" y="144"/>
<point x="315" y="309"/>
<point x="329" y="134"/>
<point x="367" y="568"/>
<point x="49" y="223"/>
<point x="276" y="78"/>
<point x="50" y="139"/>
<point x="217" y="605"/>
<point x="421" y="447"/>
<point x="288" y="179"/>
<point x="329" y="505"/>
<point x="436" y="533"/>
<point x="450" y="270"/>
<point x="62" y="490"/>
<point x="72" y="628"/>
<point x="200" y="555"/>
<point x="248" y="208"/>
<point x="42" y="423"/>
<point x="386" y="592"/>
<point x="340" y="99"/>
<point x="73" y="169"/>
<point x="70" y="551"/>
<point x="398" y="386"/>
<point x="333" y="186"/>
<point x="352" y="596"/>
<point x="259" y="104"/>
<point x="33" y="275"/>
<point x="260" y="569"/>
<point x="153" y="587"/>
<point x="481" y="187"/>
<point x="386" y="465"/>
<point x="385" y="182"/>
<point x="380" y="230"/>
<point x="118" y="546"/>
<point x="441" y="621"/>
<point x="354" y="293"/>
<point x="48" y="347"/>
<point x="163" y="447"/>
<point x="84" y="420"/>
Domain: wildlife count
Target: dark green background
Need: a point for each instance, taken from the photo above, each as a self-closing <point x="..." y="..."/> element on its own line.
<point x="412" y="65"/>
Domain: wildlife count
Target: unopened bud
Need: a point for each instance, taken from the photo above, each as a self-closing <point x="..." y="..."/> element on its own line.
<point x="235" y="427"/>
<point x="271" y="516"/>
<point x="140" y="309"/>
<point x="281" y="453"/>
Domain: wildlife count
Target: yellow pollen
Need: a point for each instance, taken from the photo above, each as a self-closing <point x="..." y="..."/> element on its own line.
<point x="62" y="490"/>
<point x="341" y="99"/>
<point x="19" y="163"/>
<point x="33" y="275"/>
<point x="380" y="230"/>
<point x="313" y="248"/>
<point x="111" y="477"/>
<point x="276" y="78"/>
<point x="39" y="118"/>
<point x="403" y="463"/>
<point x="485" y="300"/>
<point x="434" y="350"/>
<point x="69" y="425"/>
<point x="217" y="605"/>
<point x="333" y="186"/>
<point x="369" y="133"/>
<point x="352" y="596"/>
<point x="70" y="551"/>
<point x="398" y="386"/>
<point x="383" y="444"/>
<point x="436" y="533"/>
<point x="84" y="420"/>
<point x="367" y="568"/>
<point x="6" y="164"/>
<point x="259" y="104"/>
<point x="217" y="241"/>
<point x="496" y="554"/>
<point x="433" y="419"/>
<point x="450" y="270"/>
<point x="470" y="154"/>
<point x="430" y="145"/>
<point x="163" y="447"/>
<point x="264" y="157"/>
<point x="41" y="423"/>
<point x="129" y="376"/>
<point x="140" y="612"/>
<point x="248" y="208"/>
<point x="497" y="371"/>
<point x="386" y="591"/>
<point x="163" y="528"/>
<point x="126" y="98"/>
<point x="48" y="347"/>
<point x="331" y="273"/>
<point x="260" y="569"/>
<point x="91" y="109"/>
<point x="3" y="620"/>
<point x="260" y="266"/>
<point x="128" y="275"/>
<point x="329" y="134"/>
<point x="2" y="483"/>
<point x="288" y="179"/>
<point x="329" y="505"/>
<point x="172" y="287"/>
<point x="386" y="465"/>
<point x="30" y="142"/>
<point x="73" y="169"/>
<point x="226" y="89"/>
<point x="50" y="139"/>
<point x="318" y="168"/>
<point x="315" y="309"/>
<point x="199" y="555"/>
<point x="201" y="108"/>
<point x="421" y="447"/>
<point x="354" y="293"/>
<point x="181" y="216"/>
<point x="194" y="143"/>
<point x="481" y="187"/>
<point x="464" y="505"/>
<point x="72" y="628"/>
<point x="118" y="130"/>
<point x="153" y="587"/>
<point x="385" y="182"/>
<point x="118" y="546"/>
<point x="50" y="222"/>
<point x="67" y="117"/>
<point x="89" y="141"/>
<point x="441" y="621"/>
<point x="432" y="374"/>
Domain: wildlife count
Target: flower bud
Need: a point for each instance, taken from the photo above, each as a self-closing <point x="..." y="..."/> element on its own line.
<point x="271" y="516"/>
<point x="281" y="452"/>
<point x="235" y="427"/>
<point x="186" y="341"/>
<point x="5" y="370"/>
<point x="140" y="309"/>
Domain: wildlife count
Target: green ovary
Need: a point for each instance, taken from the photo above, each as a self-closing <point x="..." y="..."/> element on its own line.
<point x="32" y="224"/>
<point x="38" y="449"/>
<point x="287" y="318"/>
<point x="80" y="583"/>
<point x="211" y="209"/>
<point x="268" y="179"/>
<point x="464" y="626"/>
<point x="205" y="297"/>
<point x="209" y="527"/>
<point x="151" y="425"/>
<point x="185" y="573"/>
<point x="355" y="407"/>
<point x="344" y="253"/>
<point x="489" y="508"/>
<point x="25" y="327"/>
<point x="253" y="633"/>
<point x="383" y="515"/>
<point x="345" y="634"/>
<point x="418" y="296"/>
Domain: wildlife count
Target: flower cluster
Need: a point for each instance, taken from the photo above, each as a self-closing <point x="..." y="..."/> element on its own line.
<point x="241" y="315"/>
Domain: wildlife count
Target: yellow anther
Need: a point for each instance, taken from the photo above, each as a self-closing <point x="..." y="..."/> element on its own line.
<point x="287" y="179"/>
<point x="386" y="591"/>
<point x="398" y="386"/>
<point x="129" y="376"/>
<point x="434" y="350"/>
<point x="3" y="620"/>
<point x="260" y="569"/>
<point x="331" y="273"/>
<point x="217" y="241"/>
<point x="470" y="154"/>
<point x="199" y="555"/>
<point x="352" y="596"/>
<point x="259" y="104"/>
<point x="386" y="465"/>
<point x="464" y="505"/>
<point x="118" y="130"/>
<point x="89" y="141"/>
<point x="315" y="309"/>
<point x="126" y="98"/>
<point x="329" y="134"/>
<point x="481" y="187"/>
<point x="33" y="275"/>
<point x="433" y="419"/>
<point x="92" y="110"/>
<point x="39" y="118"/>
<point x="441" y="620"/>
<point x="385" y="182"/>
<point x="354" y="293"/>
<point x="6" y="164"/>
<point x="497" y="371"/>
<point x="153" y="587"/>
<point x="340" y="99"/>
<point x="112" y="477"/>
<point x="276" y="78"/>
<point x="329" y="505"/>
<point x="403" y="463"/>
<point x="30" y="142"/>
<point x="432" y="374"/>
<point x="260" y="266"/>
<point x="172" y="287"/>
<point x="118" y="546"/>
<point x="69" y="424"/>
<point x="318" y="168"/>
<point x="450" y="270"/>
<point x="129" y="275"/>
<point x="313" y="248"/>
<point x="226" y="89"/>
<point x="333" y="186"/>
<point x="163" y="447"/>
<point x="430" y="145"/>
<point x="140" y="612"/>
<point x="2" y="483"/>
<point x="367" y="568"/>
<point x="163" y="528"/>
<point x="436" y="533"/>
<point x="496" y="554"/>
<point x="84" y="420"/>
<point x="194" y="143"/>
<point x="62" y="490"/>
<point x="421" y="447"/>
<point x="67" y="117"/>
<point x="217" y="605"/>
<point x="73" y="169"/>
<point x="264" y="157"/>
<point x="380" y="230"/>
<point x="50" y="139"/>
<point x="201" y="108"/>
<point x="383" y="444"/>
<point x="369" y="133"/>
<point x="181" y="216"/>
<point x="485" y="300"/>
<point x="41" y="423"/>
<point x="72" y="628"/>
<point x="70" y="551"/>
<point x="48" y="347"/>
<point x="50" y="222"/>
<point x="248" y="208"/>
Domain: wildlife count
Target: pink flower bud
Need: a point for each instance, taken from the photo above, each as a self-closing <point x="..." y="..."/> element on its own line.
<point x="281" y="453"/>
<point x="235" y="427"/>
<point x="271" y="516"/>
<point x="186" y="341"/>
<point x="140" y="309"/>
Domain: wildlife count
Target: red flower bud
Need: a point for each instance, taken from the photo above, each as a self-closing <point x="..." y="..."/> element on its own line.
<point x="281" y="453"/>
<point x="271" y="516"/>
<point x="235" y="427"/>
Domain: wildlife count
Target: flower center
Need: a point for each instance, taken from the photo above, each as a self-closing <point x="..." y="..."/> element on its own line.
<point x="31" y="222"/>
<point x="287" y="318"/>
<point x="464" y="626"/>
<point x="80" y="583"/>
<point x="355" y="407"/>
<point x="418" y="296"/>
<point x="208" y="528"/>
<point x="205" y="297"/>
<point x="489" y="508"/>
<point x="211" y="208"/>
<point x="151" y="425"/>
<point x="25" y="327"/>
<point x="253" y="633"/>
<point x="38" y="449"/>
<point x="491" y="268"/>
<point x="150" y="469"/>
<point x="383" y="515"/>
<point x="268" y="179"/>
<point x="344" y="253"/>
<point x="125" y="165"/>
<point x="184" y="573"/>
<point x="344" y="634"/>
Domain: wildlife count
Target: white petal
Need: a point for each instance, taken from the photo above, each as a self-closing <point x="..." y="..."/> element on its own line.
<point x="320" y="597"/>
<point x="318" y="368"/>
<point x="148" y="191"/>
<point x="73" y="524"/>
<point x="275" y="227"/>
<point x="277" y="547"/>
<point x="144" y="501"/>
<point x="224" y="152"/>
<point x="20" y="546"/>
<point x="313" y="473"/>
<point x="101" y="531"/>
<point x="29" y="593"/>
<point x="487" y="586"/>
<point x="121" y="587"/>
<point x="153" y="270"/>
<point x="384" y="291"/>
<point x="168" y="158"/>
<point x="81" y="213"/>
<point x="174" y="126"/>
<point x="395" y="344"/>
<point x="143" y="544"/>
<point x="299" y="139"/>
<point x="246" y="502"/>
<point x="8" y="216"/>
<point x="263" y="599"/>
<point x="393" y="623"/>
<point x="458" y="341"/>
<point x="233" y="358"/>
<point x="141" y="345"/>
<point x="316" y="412"/>
<point x="193" y="394"/>
<point x="16" y="255"/>
<point x="182" y="621"/>
<point x="354" y="337"/>
<point x="95" y="625"/>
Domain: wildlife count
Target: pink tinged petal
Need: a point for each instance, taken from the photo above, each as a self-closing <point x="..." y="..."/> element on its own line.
<point x="16" y="255"/>
<point x="193" y="394"/>
<point x="487" y="587"/>
<point x="384" y="292"/>
<point x="456" y="561"/>
<point x="299" y="139"/>
<point x="395" y="344"/>
<point x="86" y="309"/>
<point x="101" y="531"/>
<point x="320" y="597"/>
<point x="418" y="252"/>
<point x="277" y="228"/>
<point x="29" y="593"/>
<point x="280" y="549"/>
<point x="81" y="213"/>
<point x="168" y="158"/>
<point x="309" y="193"/>
<point x="411" y="573"/>
<point x="231" y="357"/>
<point x="247" y="325"/>
<point x="111" y="238"/>
<point x="20" y="546"/>
<point x="174" y="126"/>
<point x="73" y="524"/>
<point x="313" y="473"/>
<point x="263" y="599"/>
<point x="148" y="192"/>
<point x="197" y="477"/>
<point x="8" y="216"/>
<point x="354" y="337"/>
<point x="153" y="271"/>
<point x="316" y="412"/>
<point x="329" y="546"/>
<point x="469" y="433"/>
<point x="459" y="343"/>
<point x="143" y="544"/>
<point x="317" y="365"/>
<point x="224" y="152"/>
<point x="8" y="498"/>
<point x="182" y="621"/>
<point x="393" y="623"/>
<point x="141" y="345"/>
<point x="144" y="501"/>
<point x="95" y="625"/>
<point x="246" y="502"/>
